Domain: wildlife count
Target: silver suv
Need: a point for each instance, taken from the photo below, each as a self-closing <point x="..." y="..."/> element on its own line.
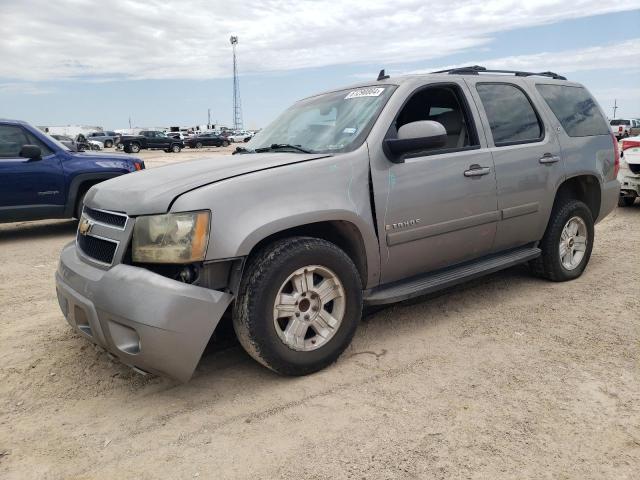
<point x="366" y="195"/>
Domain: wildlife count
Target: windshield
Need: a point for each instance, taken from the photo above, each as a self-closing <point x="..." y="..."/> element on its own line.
<point x="329" y="123"/>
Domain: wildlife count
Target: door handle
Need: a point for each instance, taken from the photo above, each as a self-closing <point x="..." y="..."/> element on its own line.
<point x="476" y="170"/>
<point x="548" y="158"/>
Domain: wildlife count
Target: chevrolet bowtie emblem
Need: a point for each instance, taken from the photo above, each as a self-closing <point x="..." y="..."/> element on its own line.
<point x="85" y="226"/>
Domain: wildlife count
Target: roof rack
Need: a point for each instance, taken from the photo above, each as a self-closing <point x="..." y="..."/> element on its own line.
<point x="476" y="69"/>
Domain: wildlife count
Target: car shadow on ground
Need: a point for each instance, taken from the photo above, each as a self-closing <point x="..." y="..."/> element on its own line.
<point x="42" y="229"/>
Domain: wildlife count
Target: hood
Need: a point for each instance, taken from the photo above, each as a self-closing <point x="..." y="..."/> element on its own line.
<point x="153" y="191"/>
<point x="104" y="156"/>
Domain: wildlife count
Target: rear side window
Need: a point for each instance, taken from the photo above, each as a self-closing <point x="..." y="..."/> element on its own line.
<point x="575" y="109"/>
<point x="511" y="116"/>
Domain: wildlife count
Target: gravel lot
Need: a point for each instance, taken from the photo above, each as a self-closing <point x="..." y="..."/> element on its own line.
<point x="506" y="377"/>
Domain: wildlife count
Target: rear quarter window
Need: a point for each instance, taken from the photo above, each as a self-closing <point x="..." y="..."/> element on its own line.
<point x="575" y="109"/>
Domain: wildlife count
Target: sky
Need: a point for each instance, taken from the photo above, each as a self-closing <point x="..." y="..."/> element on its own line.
<point x="165" y="63"/>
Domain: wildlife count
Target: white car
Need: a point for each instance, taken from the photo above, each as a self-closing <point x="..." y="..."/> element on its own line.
<point x="629" y="175"/>
<point x="240" y="137"/>
<point x="95" y="144"/>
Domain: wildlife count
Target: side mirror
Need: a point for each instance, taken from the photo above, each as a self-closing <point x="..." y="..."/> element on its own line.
<point x="32" y="152"/>
<point x="415" y="137"/>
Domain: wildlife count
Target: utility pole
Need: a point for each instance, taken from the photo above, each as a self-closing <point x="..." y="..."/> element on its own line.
<point x="129" y="122"/>
<point x="237" y="107"/>
<point x="208" y="118"/>
<point x="615" y="107"/>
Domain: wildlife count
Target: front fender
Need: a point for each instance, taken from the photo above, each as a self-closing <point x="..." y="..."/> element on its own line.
<point x="249" y="208"/>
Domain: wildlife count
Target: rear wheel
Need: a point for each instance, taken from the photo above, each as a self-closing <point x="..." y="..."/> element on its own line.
<point x="134" y="147"/>
<point x="299" y="305"/>
<point x="108" y="144"/>
<point x="175" y="148"/>
<point x="567" y="243"/>
<point x="198" y="144"/>
<point x="225" y="143"/>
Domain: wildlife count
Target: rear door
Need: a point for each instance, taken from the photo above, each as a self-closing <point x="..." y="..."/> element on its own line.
<point x="35" y="187"/>
<point x="527" y="158"/>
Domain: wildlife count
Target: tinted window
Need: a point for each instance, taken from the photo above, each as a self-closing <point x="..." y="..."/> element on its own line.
<point x="35" y="141"/>
<point x="511" y="116"/>
<point x="575" y="109"/>
<point x="619" y="122"/>
<point x="12" y="138"/>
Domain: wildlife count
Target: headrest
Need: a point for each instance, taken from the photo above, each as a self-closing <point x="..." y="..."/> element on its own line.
<point x="452" y="121"/>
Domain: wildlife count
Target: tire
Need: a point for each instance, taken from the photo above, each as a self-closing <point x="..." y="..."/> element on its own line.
<point x="175" y="148"/>
<point x="108" y="144"/>
<point x="134" y="147"/>
<point x="80" y="204"/>
<point x="267" y="272"/>
<point x="198" y="144"/>
<point x="225" y="143"/>
<point x="549" y="265"/>
<point x="626" y="201"/>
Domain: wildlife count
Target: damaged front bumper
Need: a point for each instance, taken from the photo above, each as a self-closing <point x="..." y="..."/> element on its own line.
<point x="148" y="321"/>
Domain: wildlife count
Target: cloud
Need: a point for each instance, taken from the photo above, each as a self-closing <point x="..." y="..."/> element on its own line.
<point x="627" y="57"/>
<point x="23" y="89"/>
<point x="66" y="39"/>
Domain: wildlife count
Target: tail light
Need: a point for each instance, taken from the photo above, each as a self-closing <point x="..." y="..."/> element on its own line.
<point x="138" y="165"/>
<point x="621" y="128"/>
<point x="616" y="161"/>
<point x="630" y="144"/>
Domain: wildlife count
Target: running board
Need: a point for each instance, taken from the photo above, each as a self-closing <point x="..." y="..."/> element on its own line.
<point x="432" y="282"/>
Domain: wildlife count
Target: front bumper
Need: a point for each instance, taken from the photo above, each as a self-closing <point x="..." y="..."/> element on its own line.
<point x="148" y="321"/>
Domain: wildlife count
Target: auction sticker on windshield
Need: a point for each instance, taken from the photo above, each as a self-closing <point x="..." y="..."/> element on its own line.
<point x="365" y="92"/>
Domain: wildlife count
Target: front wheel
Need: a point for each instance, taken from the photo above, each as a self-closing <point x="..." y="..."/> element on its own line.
<point x="299" y="305"/>
<point x="225" y="143"/>
<point x="134" y="148"/>
<point x="108" y="144"/>
<point x="626" y="201"/>
<point x="198" y="144"/>
<point x="175" y="148"/>
<point x="567" y="243"/>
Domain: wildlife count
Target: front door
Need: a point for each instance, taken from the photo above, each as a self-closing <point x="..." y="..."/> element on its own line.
<point x="35" y="187"/>
<point x="440" y="207"/>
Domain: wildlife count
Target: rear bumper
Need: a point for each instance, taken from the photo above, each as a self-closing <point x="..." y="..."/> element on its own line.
<point x="148" y="321"/>
<point x="609" y="199"/>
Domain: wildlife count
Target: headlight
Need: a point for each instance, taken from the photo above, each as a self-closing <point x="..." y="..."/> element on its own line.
<point x="171" y="238"/>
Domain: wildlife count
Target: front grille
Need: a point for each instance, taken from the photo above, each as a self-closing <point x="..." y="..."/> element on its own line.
<point x="97" y="248"/>
<point x="107" y="218"/>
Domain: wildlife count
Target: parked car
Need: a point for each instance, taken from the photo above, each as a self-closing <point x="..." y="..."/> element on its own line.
<point x="239" y="137"/>
<point x="206" y="140"/>
<point x="372" y="194"/>
<point x="41" y="177"/>
<point x="621" y="128"/>
<point x="69" y="142"/>
<point x="629" y="175"/>
<point x="108" y="139"/>
<point x="150" y="139"/>
<point x="84" y="144"/>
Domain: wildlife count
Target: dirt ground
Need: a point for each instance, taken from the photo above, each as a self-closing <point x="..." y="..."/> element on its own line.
<point x="506" y="377"/>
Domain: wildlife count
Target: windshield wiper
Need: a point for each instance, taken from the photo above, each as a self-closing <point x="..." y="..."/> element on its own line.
<point x="281" y="146"/>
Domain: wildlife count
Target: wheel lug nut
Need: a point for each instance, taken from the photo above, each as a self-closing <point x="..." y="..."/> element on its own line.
<point x="297" y="314"/>
<point x="306" y="317"/>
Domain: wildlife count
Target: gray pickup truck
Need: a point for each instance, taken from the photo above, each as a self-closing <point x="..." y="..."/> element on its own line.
<point x="367" y="195"/>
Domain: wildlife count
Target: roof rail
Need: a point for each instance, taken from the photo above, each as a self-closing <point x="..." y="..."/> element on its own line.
<point x="476" y="69"/>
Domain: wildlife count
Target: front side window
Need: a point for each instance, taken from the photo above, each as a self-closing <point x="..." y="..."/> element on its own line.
<point x="443" y="104"/>
<point x="329" y="123"/>
<point x="12" y="139"/>
<point x="575" y="109"/>
<point x="511" y="116"/>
